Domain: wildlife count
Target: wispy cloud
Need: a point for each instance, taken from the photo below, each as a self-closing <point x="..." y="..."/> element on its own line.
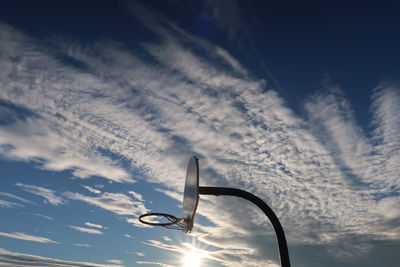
<point x="167" y="238"/>
<point x="170" y="247"/>
<point x="83" y="245"/>
<point x="155" y="263"/>
<point x="117" y="203"/>
<point x="23" y="236"/>
<point x="49" y="195"/>
<point x="87" y="230"/>
<point x="91" y="189"/>
<point x="35" y="137"/>
<point x="44" y="216"/>
<point x="136" y="195"/>
<point x="9" y="195"/>
<point x="119" y="262"/>
<point x="386" y="101"/>
<point x="11" y="259"/>
<point x="95" y="225"/>
<point x="9" y="204"/>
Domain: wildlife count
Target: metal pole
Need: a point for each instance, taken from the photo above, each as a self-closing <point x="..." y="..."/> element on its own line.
<point x="226" y="191"/>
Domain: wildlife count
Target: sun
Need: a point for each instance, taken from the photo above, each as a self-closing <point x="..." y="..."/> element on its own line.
<point x="192" y="259"/>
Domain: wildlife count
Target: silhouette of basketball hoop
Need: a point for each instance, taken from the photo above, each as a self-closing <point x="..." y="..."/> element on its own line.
<point x="191" y="194"/>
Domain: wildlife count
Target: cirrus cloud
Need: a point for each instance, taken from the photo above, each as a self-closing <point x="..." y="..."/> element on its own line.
<point x="86" y="230"/>
<point x="27" y="237"/>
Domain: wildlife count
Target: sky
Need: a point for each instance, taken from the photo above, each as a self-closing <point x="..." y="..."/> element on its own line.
<point x="102" y="103"/>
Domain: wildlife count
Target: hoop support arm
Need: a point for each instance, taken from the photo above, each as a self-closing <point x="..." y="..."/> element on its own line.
<point x="226" y="191"/>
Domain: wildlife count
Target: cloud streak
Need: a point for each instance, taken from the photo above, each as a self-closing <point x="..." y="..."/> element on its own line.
<point x="91" y="189"/>
<point x="86" y="230"/>
<point x="44" y="216"/>
<point x="23" y="236"/>
<point x="83" y="245"/>
<point x="8" y="195"/>
<point x="9" y="204"/>
<point x="93" y="225"/>
<point x="11" y="259"/>
<point x="49" y="195"/>
<point x="117" y="203"/>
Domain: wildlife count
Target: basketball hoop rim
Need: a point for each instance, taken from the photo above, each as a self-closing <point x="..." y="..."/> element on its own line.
<point x="173" y="220"/>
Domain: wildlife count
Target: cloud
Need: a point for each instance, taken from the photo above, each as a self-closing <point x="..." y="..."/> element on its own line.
<point x="91" y="190"/>
<point x="44" y="216"/>
<point x="83" y="245"/>
<point x="154" y="263"/>
<point x="167" y="238"/>
<point x="128" y="236"/>
<point x="49" y="195"/>
<point x="387" y="124"/>
<point x="9" y="204"/>
<point x="119" y="262"/>
<point x="86" y="230"/>
<point x="12" y="259"/>
<point x="36" y="138"/>
<point x="117" y="203"/>
<point x="95" y="225"/>
<point x="23" y="236"/>
<point x="169" y="247"/>
<point x="9" y="195"/>
<point x="136" y="195"/>
<point x="58" y="154"/>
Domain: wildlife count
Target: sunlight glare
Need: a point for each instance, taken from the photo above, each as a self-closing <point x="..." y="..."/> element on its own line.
<point x="192" y="259"/>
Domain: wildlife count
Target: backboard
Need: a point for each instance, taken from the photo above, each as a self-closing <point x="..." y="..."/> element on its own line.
<point x="191" y="194"/>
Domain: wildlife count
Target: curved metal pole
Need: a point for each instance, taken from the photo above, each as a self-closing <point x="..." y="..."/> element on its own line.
<point x="226" y="191"/>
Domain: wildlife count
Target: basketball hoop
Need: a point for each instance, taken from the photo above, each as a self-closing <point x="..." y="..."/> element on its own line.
<point x="189" y="206"/>
<point x="191" y="194"/>
<point x="164" y="219"/>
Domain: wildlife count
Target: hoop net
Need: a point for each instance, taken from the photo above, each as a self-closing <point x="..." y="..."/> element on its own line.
<point x="163" y="219"/>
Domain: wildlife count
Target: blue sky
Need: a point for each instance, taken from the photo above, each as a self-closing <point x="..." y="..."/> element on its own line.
<point x="103" y="102"/>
